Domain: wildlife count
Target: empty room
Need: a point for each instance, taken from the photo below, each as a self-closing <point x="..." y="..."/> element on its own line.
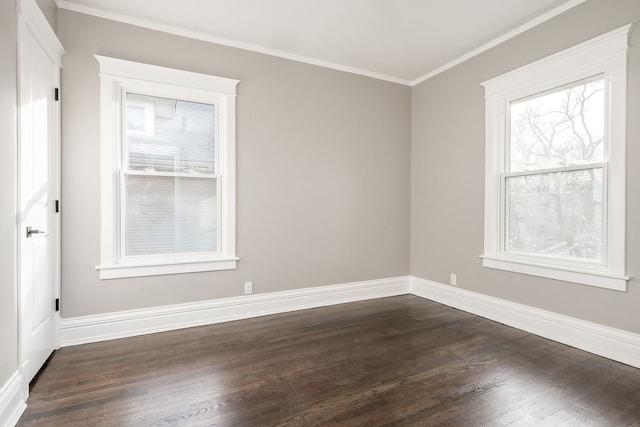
<point x="310" y="213"/>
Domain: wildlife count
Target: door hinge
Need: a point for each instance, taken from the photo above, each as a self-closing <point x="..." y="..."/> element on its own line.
<point x="56" y="94"/>
<point x="57" y="304"/>
<point x="57" y="206"/>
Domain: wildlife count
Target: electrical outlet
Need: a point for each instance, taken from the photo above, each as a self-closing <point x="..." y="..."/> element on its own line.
<point x="248" y="288"/>
<point x="454" y="280"/>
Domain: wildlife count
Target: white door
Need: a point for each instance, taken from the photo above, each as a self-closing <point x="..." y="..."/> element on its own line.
<point x="38" y="224"/>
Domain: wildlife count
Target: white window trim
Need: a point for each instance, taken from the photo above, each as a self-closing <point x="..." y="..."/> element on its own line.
<point x="606" y="54"/>
<point x="116" y="74"/>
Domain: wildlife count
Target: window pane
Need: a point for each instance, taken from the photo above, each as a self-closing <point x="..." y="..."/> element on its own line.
<point x="561" y="127"/>
<point x="556" y="214"/>
<point x="169" y="135"/>
<point x="136" y="118"/>
<point x="167" y="215"/>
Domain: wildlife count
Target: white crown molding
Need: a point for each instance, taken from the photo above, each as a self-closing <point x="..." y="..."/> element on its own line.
<point x="198" y="35"/>
<point x="501" y="39"/>
<point x="611" y="343"/>
<point x="12" y="400"/>
<point x="102" y="327"/>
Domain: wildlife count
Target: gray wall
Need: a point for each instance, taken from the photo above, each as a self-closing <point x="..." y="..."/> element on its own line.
<point x="447" y="163"/>
<point x="50" y="11"/>
<point x="323" y="180"/>
<point x="8" y="102"/>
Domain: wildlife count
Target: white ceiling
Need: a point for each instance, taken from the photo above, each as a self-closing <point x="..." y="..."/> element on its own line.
<point x="404" y="41"/>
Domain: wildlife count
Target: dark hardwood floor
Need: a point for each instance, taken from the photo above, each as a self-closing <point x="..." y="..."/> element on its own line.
<point x="392" y="361"/>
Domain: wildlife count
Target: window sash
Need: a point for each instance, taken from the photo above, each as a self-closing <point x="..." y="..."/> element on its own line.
<point x="523" y="96"/>
<point x="506" y="253"/>
<point x="152" y="258"/>
<point x="124" y="171"/>
<point x="554" y="170"/>
<point x="505" y="174"/>
<point x="124" y="140"/>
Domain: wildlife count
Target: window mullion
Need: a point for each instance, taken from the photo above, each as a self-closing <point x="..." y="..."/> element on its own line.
<point x="122" y="184"/>
<point x="171" y="174"/>
<point x="120" y="166"/>
<point x="572" y="168"/>
<point x="504" y="214"/>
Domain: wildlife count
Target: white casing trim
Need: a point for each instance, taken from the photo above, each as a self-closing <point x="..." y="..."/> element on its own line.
<point x="37" y="24"/>
<point x="102" y="327"/>
<point x="154" y="73"/>
<point x="200" y="35"/>
<point x="138" y="270"/>
<point x="12" y="401"/>
<point x="117" y="75"/>
<point x="605" y="341"/>
<point x="585" y="277"/>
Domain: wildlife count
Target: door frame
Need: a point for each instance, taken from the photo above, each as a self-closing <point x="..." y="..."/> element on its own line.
<point x="31" y="20"/>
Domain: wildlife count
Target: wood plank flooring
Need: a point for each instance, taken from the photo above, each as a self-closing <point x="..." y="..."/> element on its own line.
<point x="386" y="362"/>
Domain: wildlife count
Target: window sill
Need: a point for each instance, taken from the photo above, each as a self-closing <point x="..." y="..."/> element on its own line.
<point x="141" y="270"/>
<point x="585" y="277"/>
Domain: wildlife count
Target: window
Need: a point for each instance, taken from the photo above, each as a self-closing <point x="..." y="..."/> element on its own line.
<point x="168" y="170"/>
<point x="555" y="165"/>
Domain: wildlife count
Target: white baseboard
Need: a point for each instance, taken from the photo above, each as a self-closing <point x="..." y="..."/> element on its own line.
<point x="611" y="343"/>
<point x="102" y="327"/>
<point x="12" y="401"/>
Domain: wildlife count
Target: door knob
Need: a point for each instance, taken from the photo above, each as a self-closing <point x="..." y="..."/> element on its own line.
<point x="31" y="231"/>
